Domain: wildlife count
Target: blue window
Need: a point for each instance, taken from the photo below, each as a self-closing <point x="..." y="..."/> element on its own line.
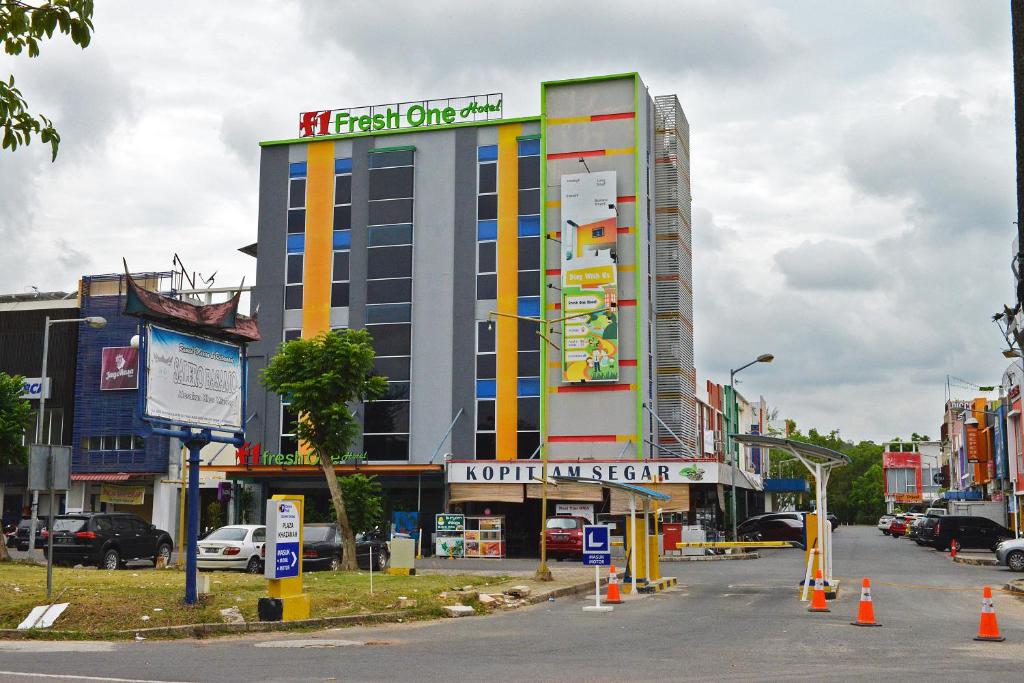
<point x="529" y="226"/>
<point x="528" y="386"/>
<point x="486" y="230"/>
<point x="529" y="305"/>
<point x="487" y="153"/>
<point x="486" y="388"/>
<point x="297" y="169"/>
<point x="341" y="166"/>
<point x="296" y="243"/>
<point x="342" y="239"/>
<point x="529" y="148"/>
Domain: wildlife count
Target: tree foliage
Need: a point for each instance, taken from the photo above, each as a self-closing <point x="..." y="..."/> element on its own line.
<point x="363" y="501"/>
<point x="323" y="378"/>
<point x="23" y="27"/>
<point x="16" y="417"/>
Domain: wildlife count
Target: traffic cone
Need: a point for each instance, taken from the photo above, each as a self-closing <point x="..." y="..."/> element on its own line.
<point x="866" y="611"/>
<point x="952" y="548"/>
<point x="988" y="629"/>
<point x="613" y="597"/>
<point x="818" y="603"/>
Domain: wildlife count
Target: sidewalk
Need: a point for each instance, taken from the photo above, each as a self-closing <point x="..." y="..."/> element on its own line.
<point x="978" y="559"/>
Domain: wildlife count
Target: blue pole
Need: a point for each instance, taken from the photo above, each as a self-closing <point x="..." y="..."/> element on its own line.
<point x="192" y="542"/>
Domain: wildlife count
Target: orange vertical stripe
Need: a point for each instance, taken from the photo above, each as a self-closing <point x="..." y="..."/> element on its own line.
<point x="316" y="288"/>
<point x="507" y="344"/>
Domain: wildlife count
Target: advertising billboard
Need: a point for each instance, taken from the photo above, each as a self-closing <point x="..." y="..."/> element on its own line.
<point x="119" y="368"/>
<point x="192" y="380"/>
<point x="590" y="338"/>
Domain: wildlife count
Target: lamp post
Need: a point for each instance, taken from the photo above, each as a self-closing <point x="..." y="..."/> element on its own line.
<point x="95" y="322"/>
<point x="763" y="358"/>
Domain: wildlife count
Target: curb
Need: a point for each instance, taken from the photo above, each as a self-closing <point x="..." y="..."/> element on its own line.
<point x="1015" y="586"/>
<point x="977" y="561"/>
<point x="564" y="591"/>
<point x="711" y="558"/>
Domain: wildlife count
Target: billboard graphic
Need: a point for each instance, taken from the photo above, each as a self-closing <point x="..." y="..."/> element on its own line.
<point x="119" y="368"/>
<point x="590" y="338"/>
<point x="193" y="380"/>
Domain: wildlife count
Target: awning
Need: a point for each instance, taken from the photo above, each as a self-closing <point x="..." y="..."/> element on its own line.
<point x="677" y="499"/>
<point x="485" y="493"/>
<point x="101" y="476"/>
<point x="580" y="492"/>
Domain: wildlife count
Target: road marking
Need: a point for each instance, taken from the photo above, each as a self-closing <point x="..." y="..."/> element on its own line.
<point x="309" y="642"/>
<point x="932" y="588"/>
<point x="64" y="677"/>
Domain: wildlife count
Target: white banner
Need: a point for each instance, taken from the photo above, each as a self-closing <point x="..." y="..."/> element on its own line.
<point x="638" y="472"/>
<point x="193" y="380"/>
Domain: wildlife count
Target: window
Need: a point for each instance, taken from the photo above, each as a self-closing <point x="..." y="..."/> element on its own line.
<point x="391" y="183"/>
<point x="122" y="525"/>
<point x="390" y="211"/>
<point x="901" y="480"/>
<point x="386" y="235"/>
<point x="289" y="422"/>
<point x="293" y="297"/>
<point x="259" y="535"/>
<point x="290" y="335"/>
<point x="391" y="340"/>
<point x="113" y="442"/>
<point x="296" y="205"/>
<point x="294" y="269"/>
<point x="388" y="313"/>
<point x="398" y="290"/>
<point x="389" y="262"/>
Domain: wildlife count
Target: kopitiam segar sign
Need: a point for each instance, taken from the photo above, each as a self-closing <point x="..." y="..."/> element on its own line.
<point x="418" y="114"/>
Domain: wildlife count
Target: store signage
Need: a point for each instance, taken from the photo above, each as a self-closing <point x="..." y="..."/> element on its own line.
<point x="450" y="523"/>
<point x="973" y="445"/>
<point x="584" y="510"/>
<point x="252" y="455"/>
<point x="283" y="548"/>
<point x="590" y="339"/>
<point x="623" y="471"/>
<point x="901" y="460"/>
<point x="32" y="388"/>
<point x="597" y="546"/>
<point x="193" y="380"/>
<point x="116" y="494"/>
<point x="418" y="114"/>
<point x="119" y="368"/>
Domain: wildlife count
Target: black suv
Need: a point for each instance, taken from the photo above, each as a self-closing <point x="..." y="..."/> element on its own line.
<point x="22" y="534"/>
<point x="107" y="540"/>
<point x="968" y="532"/>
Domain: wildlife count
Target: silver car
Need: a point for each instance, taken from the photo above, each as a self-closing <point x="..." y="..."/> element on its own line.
<point x="1010" y="553"/>
<point x="883" y="523"/>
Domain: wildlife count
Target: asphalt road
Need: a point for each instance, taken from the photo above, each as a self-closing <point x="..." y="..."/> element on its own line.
<point x="727" y="621"/>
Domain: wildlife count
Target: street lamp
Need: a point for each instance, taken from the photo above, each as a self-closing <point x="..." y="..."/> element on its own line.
<point x="763" y="358"/>
<point x="95" y="322"/>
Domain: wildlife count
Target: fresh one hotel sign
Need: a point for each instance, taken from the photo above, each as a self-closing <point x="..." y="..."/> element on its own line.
<point x="379" y="117"/>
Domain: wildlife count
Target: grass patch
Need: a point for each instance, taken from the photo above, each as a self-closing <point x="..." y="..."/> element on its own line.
<point x="105" y="601"/>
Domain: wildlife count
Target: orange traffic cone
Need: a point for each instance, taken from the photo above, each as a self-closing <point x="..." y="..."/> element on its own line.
<point x="613" y="597"/>
<point x="952" y="548"/>
<point x="818" y="603"/>
<point x="988" y="629"/>
<point x="866" y="611"/>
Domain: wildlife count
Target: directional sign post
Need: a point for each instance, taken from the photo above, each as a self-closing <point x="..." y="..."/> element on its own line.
<point x="283" y="549"/>
<point x="597" y="552"/>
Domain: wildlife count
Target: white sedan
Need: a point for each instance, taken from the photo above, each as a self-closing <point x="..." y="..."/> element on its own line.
<point x="883" y="523"/>
<point x="239" y="546"/>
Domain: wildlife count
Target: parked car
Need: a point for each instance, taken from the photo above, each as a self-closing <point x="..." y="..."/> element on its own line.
<point x="563" y="536"/>
<point x="774" y="529"/>
<point x="914" y="528"/>
<point x="968" y="532"/>
<point x="1010" y="553"/>
<point x="42" y="524"/>
<point x="322" y="549"/>
<point x="108" y="540"/>
<point x="239" y="546"/>
<point x="926" y="531"/>
<point x="884" y="522"/>
<point x="900" y="525"/>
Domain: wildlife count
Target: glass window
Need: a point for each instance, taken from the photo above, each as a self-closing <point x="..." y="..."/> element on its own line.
<point x="293" y="297"/>
<point x="343" y="189"/>
<point x="124" y="442"/>
<point x="259" y="535"/>
<point x="296" y="220"/>
<point x="389" y="291"/>
<point x="391" y="183"/>
<point x="386" y="235"/>
<point x="339" y="294"/>
<point x="529" y="363"/>
<point x="484" y="337"/>
<point x="529" y="386"/>
<point x="109" y="443"/>
<point x="485" y="415"/>
<point x="386" y="417"/>
<point x="387" y="262"/>
<point x="529" y="283"/>
<point x="486" y="287"/>
<point x="486" y="388"/>
<point x="487" y="230"/>
<point x="294" y="269"/>
<point x="387" y="212"/>
<point x="289" y="419"/>
<point x="391" y="340"/>
<point x="392" y="368"/>
<point x="529" y="226"/>
<point x="529" y="147"/>
<point x="138" y="443"/>
<point x="487" y="207"/>
<point x="528" y="339"/>
<point x="529" y="173"/>
<point x="529" y="201"/>
<point x="289" y="444"/>
<point x="386" y="159"/>
<point x="297" y="193"/>
<point x="228" y="533"/>
<point x="528" y="414"/>
<point x="340" y="265"/>
<point x="486" y="366"/>
<point x="342" y="165"/>
<point x="529" y="253"/>
<point x="341" y="239"/>
<point x="386" y="447"/>
<point x="488" y="182"/>
<point x="486" y="446"/>
<point x="343" y="217"/>
<point x="487" y="153"/>
<point x="289" y="335"/>
<point x="296" y="243"/>
<point x="297" y="169"/>
<point x="527" y="444"/>
<point x="122" y="525"/>
<point x="397" y="391"/>
<point x="487" y="259"/>
<point x="388" y="313"/>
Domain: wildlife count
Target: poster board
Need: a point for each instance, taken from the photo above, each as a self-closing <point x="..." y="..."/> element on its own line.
<point x="485" y="537"/>
<point x="449" y="535"/>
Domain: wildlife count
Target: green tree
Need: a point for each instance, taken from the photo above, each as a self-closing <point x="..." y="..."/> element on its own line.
<point x="364" y="503"/>
<point x="323" y="378"/>
<point x="867" y="497"/>
<point x="16" y="417"/>
<point x="23" y="26"/>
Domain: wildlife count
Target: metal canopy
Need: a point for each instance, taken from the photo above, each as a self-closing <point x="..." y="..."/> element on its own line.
<point x="829" y="456"/>
<point x="633" y="489"/>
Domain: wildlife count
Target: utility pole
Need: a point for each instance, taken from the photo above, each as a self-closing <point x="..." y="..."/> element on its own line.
<point x="1017" y="21"/>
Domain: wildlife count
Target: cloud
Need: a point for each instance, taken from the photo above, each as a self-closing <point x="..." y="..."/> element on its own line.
<point x="828" y="265"/>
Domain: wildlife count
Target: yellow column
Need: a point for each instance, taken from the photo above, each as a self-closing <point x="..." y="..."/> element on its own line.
<point x="316" y="288"/>
<point x="506" y="342"/>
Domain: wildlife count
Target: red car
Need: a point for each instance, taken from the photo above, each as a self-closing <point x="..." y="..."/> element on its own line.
<point x="563" y="536"/>
<point x="899" y="525"/>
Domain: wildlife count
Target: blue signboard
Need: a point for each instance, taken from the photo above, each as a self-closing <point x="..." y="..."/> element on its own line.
<point x="286" y="560"/>
<point x="999" y="434"/>
<point x="596" y="539"/>
<point x="597" y="559"/>
<point x="405" y="523"/>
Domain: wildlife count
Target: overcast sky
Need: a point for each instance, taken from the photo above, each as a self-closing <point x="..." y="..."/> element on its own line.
<point x="852" y="162"/>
